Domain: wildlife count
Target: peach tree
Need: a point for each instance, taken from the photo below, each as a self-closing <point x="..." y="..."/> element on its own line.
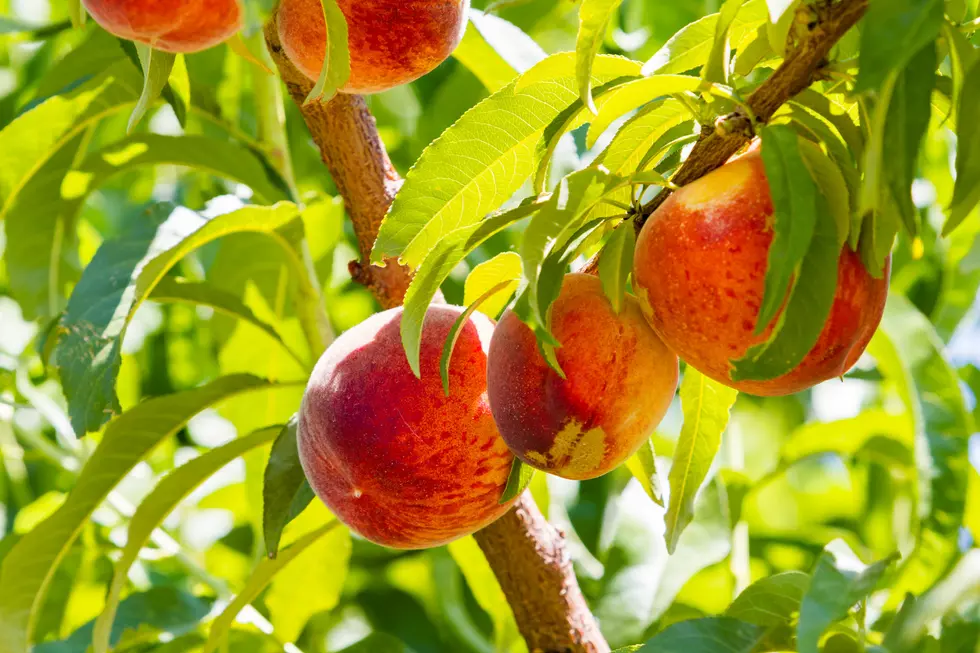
<point x="667" y="340"/>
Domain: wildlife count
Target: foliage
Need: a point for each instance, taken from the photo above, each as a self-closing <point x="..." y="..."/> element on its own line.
<point x="174" y="261"/>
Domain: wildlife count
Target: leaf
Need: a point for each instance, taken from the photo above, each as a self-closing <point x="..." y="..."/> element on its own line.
<point x="464" y="174"/>
<point x="285" y="490"/>
<point x="707" y="405"/>
<point x="719" y="59"/>
<point x="966" y="192"/>
<point x="121" y="275"/>
<point x="846" y="436"/>
<point x="643" y="466"/>
<point x="616" y="262"/>
<point x="170" y="289"/>
<point x="839" y="581"/>
<point x="770" y="601"/>
<point x="551" y="227"/>
<point x="156" y="65"/>
<point x="486" y="590"/>
<point x="335" y="71"/>
<point x="518" y="480"/>
<point x="905" y="128"/>
<point x="910" y="355"/>
<point x="168" y="493"/>
<point x="706" y="635"/>
<point x="831" y="183"/>
<point x="27" y="568"/>
<point x="461" y="321"/>
<point x="505" y="266"/>
<point x="794" y="200"/>
<point x="594" y="17"/>
<point x="691" y="46"/>
<point x="634" y="94"/>
<point x="36" y="150"/>
<point x="496" y="50"/>
<point x="260" y="578"/>
<point x="437" y="265"/>
<point x="777" y="8"/>
<point x="892" y="34"/>
<point x="642" y="133"/>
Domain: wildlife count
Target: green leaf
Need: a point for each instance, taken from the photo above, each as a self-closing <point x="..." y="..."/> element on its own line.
<point x="496" y="50"/>
<point x="846" y="436"/>
<point x="552" y="226"/>
<point x="169" y="492"/>
<point x="707" y="405"/>
<point x="594" y="17"/>
<point x="719" y="59"/>
<point x="285" y="490"/>
<point x="631" y="95"/>
<point x="486" y="590"/>
<point x="28" y="567"/>
<point x="201" y="293"/>
<point x="706" y="635"/>
<point x="839" y="581"/>
<point x="261" y="576"/>
<point x="463" y="174"/>
<point x="691" y="46"/>
<point x="335" y="70"/>
<point x="770" y="601"/>
<point x="643" y="466"/>
<point x="646" y="131"/>
<point x="505" y="266"/>
<point x="966" y="192"/>
<point x="893" y="32"/>
<point x="910" y="354"/>
<point x="156" y="65"/>
<point x="518" y="480"/>
<point x="504" y="287"/>
<point x="616" y="262"/>
<point x="777" y="8"/>
<point x="121" y="275"/>
<point x="36" y="151"/>
<point x="437" y="265"/>
<point x="794" y="200"/>
<point x="905" y="128"/>
<point x="832" y="185"/>
<point x="175" y="89"/>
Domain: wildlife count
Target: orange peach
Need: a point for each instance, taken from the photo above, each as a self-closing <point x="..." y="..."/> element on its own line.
<point x="391" y="42"/>
<point x="620" y="379"/>
<point x="170" y="25"/>
<point x="699" y="271"/>
<point x="390" y="454"/>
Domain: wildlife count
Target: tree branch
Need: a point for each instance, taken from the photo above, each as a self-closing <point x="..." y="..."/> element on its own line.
<point x="526" y="553"/>
<point x="824" y="24"/>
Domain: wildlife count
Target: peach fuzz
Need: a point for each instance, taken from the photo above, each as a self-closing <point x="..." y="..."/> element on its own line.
<point x="699" y="271"/>
<point x="620" y="379"/>
<point x="391" y="42"/>
<point x="390" y="454"/>
<point x="173" y="26"/>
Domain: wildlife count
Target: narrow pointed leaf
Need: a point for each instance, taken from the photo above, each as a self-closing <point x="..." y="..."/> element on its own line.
<point x="285" y="490"/>
<point x="594" y="17"/>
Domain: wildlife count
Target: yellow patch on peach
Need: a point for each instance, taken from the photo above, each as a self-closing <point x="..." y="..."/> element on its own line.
<point x="575" y="453"/>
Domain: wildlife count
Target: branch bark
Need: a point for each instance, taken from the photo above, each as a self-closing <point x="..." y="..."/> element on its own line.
<point x="526" y="553"/>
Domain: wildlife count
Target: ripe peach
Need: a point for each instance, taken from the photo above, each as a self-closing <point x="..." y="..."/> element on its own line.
<point x="390" y="454"/>
<point x="391" y="42"/>
<point x="699" y="271"/>
<point x="620" y="379"/>
<point x="174" y="26"/>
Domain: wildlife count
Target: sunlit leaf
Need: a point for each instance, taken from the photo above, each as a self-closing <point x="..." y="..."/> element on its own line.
<point x="643" y="466"/>
<point x="719" y="59"/>
<point x="285" y="491"/>
<point x="496" y="50"/>
<point x="335" y="70"/>
<point x="966" y="194"/>
<point x="770" y="601"/>
<point x="706" y="635"/>
<point x="594" y="17"/>
<point x="616" y="262"/>
<point x="156" y="65"/>
<point x="893" y="33"/>
<point x="505" y="266"/>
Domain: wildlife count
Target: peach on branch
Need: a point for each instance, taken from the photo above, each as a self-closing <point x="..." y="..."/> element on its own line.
<point x="173" y="26"/>
<point x="391" y="42"/>
<point x="619" y="381"/>
<point x="699" y="271"/>
<point x="392" y="455"/>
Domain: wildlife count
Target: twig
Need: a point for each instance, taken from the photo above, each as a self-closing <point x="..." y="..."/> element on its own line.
<point x="526" y="553"/>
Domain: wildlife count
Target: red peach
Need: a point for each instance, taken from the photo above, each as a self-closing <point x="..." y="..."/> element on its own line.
<point x="390" y="454"/>
<point x="699" y="271"/>
<point x="391" y="42"/>
<point x="173" y="26"/>
<point x="620" y="379"/>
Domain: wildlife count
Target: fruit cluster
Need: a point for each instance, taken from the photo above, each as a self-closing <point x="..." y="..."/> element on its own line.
<point x="407" y="466"/>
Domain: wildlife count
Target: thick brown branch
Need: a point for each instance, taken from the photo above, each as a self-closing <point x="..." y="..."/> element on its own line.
<point x="826" y="23"/>
<point x="526" y="553"/>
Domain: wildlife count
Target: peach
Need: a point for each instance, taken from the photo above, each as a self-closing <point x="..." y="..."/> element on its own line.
<point x="699" y="271"/>
<point x="620" y="379"/>
<point x="172" y="25"/>
<point x="390" y="454"/>
<point x="391" y="42"/>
